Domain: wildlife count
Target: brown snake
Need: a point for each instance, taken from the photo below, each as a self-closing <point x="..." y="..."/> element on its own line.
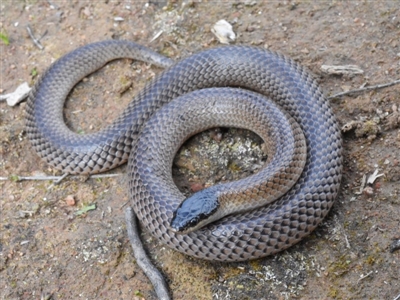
<point x="242" y="236"/>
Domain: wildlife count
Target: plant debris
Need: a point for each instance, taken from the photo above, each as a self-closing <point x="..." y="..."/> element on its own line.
<point x="18" y="95"/>
<point x="86" y="209"/>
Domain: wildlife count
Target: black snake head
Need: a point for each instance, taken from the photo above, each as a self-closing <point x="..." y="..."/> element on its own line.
<point x="195" y="211"/>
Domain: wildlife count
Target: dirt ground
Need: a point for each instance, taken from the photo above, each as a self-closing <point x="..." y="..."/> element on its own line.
<point x="49" y="250"/>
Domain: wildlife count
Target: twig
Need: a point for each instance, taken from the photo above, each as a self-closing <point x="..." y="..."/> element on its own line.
<point x="35" y="41"/>
<point x="159" y="284"/>
<point x="363" y="182"/>
<point x="61" y="178"/>
<point x="124" y="204"/>
<point x="57" y="179"/>
<point x="372" y="87"/>
<point x="365" y="276"/>
<point x="156" y="36"/>
<point x="346" y="240"/>
<point x="43" y="35"/>
<point x="397" y="297"/>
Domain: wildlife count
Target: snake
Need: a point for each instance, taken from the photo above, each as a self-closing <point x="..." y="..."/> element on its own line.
<point x="199" y="82"/>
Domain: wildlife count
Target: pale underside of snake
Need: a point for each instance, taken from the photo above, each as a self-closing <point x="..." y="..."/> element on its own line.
<point x="227" y="86"/>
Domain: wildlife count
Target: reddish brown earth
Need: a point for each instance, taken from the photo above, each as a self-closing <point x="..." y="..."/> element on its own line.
<point x="47" y="251"/>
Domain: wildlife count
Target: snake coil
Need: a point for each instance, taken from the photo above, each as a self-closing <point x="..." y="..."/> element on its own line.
<point x="243" y="236"/>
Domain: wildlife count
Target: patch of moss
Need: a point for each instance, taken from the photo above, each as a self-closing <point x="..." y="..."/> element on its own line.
<point x="256" y="265"/>
<point x="333" y="292"/>
<point x="340" y="266"/>
<point x="233" y="272"/>
<point x="234" y="167"/>
<point x="370" y="260"/>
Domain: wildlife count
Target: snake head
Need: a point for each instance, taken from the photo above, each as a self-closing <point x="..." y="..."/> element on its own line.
<point x="195" y="211"/>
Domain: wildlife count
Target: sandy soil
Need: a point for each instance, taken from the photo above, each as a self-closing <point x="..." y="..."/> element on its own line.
<point x="48" y="251"/>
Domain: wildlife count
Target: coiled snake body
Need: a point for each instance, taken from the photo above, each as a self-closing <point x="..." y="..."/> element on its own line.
<point x="237" y="237"/>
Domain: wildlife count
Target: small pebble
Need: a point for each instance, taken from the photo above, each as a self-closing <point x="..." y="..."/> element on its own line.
<point x="69" y="200"/>
<point x="368" y="191"/>
<point x="224" y="32"/>
<point x="395" y="246"/>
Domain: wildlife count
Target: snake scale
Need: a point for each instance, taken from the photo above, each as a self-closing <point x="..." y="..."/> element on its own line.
<point x="237" y="237"/>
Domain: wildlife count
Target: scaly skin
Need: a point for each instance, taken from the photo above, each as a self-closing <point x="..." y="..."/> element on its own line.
<point x="238" y="237"/>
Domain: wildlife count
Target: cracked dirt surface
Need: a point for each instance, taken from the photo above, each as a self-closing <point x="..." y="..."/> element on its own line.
<point x="48" y="251"/>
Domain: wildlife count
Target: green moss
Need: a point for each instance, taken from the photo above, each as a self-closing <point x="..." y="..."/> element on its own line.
<point x="370" y="260"/>
<point x="13" y="284"/>
<point x="233" y="272"/>
<point x="333" y="293"/>
<point x="340" y="267"/>
<point x="256" y="265"/>
<point x="234" y="167"/>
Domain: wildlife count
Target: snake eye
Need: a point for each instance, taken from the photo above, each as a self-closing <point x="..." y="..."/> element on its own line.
<point x="183" y="226"/>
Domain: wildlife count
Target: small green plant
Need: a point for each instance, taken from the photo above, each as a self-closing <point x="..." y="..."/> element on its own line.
<point x="34" y="72"/>
<point x="85" y="209"/>
<point x="4" y="38"/>
<point x="138" y="293"/>
<point x="14" y="178"/>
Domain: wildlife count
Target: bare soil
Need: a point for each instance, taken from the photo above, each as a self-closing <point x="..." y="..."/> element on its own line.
<point x="48" y="251"/>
